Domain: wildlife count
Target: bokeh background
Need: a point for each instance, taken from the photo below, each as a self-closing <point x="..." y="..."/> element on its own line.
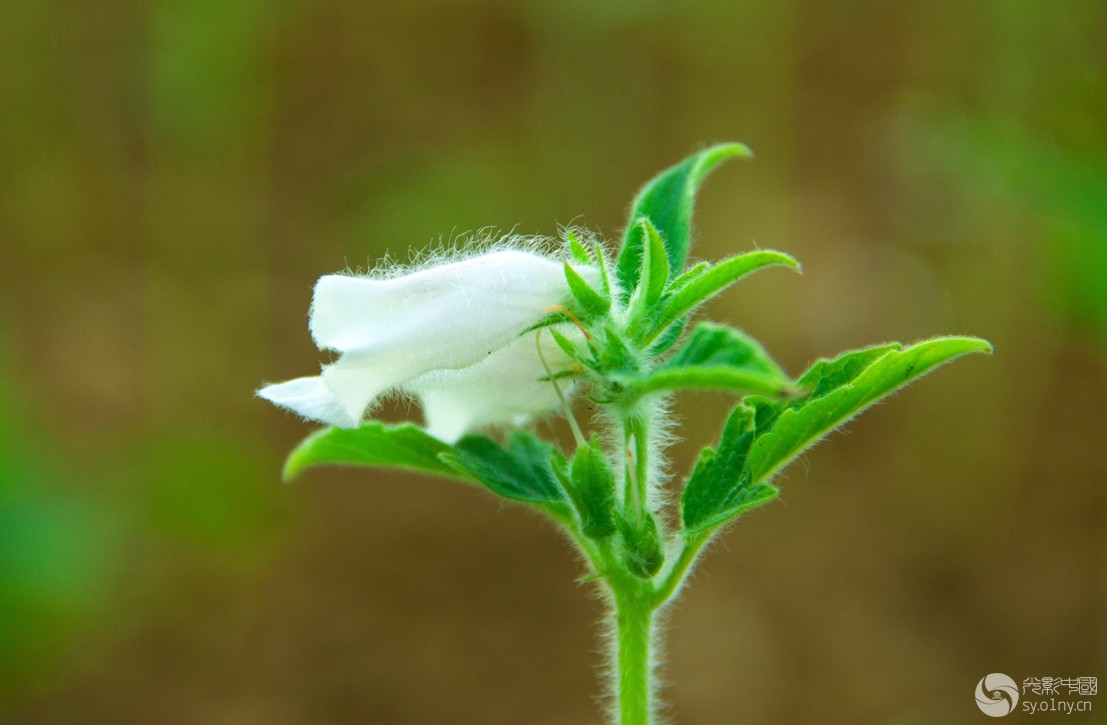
<point x="175" y="174"/>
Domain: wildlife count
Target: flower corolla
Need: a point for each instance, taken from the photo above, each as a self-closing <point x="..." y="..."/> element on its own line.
<point x="451" y="334"/>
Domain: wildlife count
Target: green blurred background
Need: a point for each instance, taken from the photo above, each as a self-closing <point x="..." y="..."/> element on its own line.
<point x="175" y="174"/>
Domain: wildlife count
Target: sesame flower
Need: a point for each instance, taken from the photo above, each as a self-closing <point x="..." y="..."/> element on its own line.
<point x="451" y="334"/>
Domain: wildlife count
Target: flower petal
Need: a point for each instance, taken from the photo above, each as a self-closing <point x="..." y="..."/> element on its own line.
<point x="356" y="378"/>
<point x="502" y="389"/>
<point x="311" y="398"/>
<point x="443" y="318"/>
<point x="461" y="310"/>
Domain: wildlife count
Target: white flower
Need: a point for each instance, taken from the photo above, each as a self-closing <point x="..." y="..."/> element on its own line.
<point x="450" y="334"/>
<point x="503" y="388"/>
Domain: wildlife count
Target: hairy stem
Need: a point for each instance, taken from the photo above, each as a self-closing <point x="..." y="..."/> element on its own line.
<point x="670" y="584"/>
<point x="634" y="623"/>
<point x="635" y="599"/>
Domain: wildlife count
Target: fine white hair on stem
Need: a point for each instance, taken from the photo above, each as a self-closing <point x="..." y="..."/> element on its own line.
<point x="609" y="670"/>
<point x="659" y="423"/>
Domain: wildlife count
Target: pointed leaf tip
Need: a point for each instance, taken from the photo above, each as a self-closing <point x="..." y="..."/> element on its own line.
<point x="667" y="201"/>
<point x="983" y="345"/>
<point x="691" y="290"/>
<point x="761" y="436"/>
<point x="576" y="248"/>
<point x="839" y="389"/>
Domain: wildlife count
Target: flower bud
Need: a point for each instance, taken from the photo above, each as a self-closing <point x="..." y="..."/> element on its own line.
<point x="641" y="545"/>
<point x="593" y="491"/>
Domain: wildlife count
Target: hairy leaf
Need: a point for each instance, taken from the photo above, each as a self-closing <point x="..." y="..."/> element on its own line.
<point x="556" y="317"/>
<point x="577" y="249"/>
<point x="719" y="488"/>
<point x="373" y="444"/>
<point x="567" y="346"/>
<point x="601" y="261"/>
<point x="591" y="301"/>
<point x="687" y="276"/>
<point x="653" y="277"/>
<point x="762" y="436"/>
<point x="667" y="201"/>
<point x="668" y="337"/>
<point x="616" y="356"/>
<point x="655" y="265"/>
<point x="715" y="357"/>
<point x="521" y="471"/>
<point x="712" y="280"/>
<point x="842" y="388"/>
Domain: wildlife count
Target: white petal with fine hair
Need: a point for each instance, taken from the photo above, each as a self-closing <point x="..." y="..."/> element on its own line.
<point x="462" y="309"/>
<point x="503" y="389"/>
<point x="430" y="325"/>
<point x="357" y="379"/>
<point x="311" y="398"/>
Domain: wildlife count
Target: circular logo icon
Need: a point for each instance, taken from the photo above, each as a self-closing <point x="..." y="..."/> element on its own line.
<point x="997" y="694"/>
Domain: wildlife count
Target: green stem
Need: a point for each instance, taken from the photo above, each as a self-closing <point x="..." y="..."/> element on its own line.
<point x="689" y="552"/>
<point x="634" y="635"/>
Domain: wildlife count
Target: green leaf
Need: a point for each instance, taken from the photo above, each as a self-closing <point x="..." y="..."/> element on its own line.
<point x="655" y="266"/>
<point x="826" y="375"/>
<point x="557" y="317"/>
<point x="667" y="201"/>
<point x="605" y="273"/>
<point x="652" y="279"/>
<point x="576" y="248"/>
<point x="591" y="301"/>
<point x="616" y="357"/>
<point x="567" y="346"/>
<point x="687" y="276"/>
<point x="713" y="280"/>
<point x="761" y="437"/>
<point x="667" y="338"/>
<point x="719" y="488"/>
<point x="716" y="357"/>
<point x="373" y="444"/>
<point x="712" y="344"/>
<point x="520" y="472"/>
<point x="842" y="388"/>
